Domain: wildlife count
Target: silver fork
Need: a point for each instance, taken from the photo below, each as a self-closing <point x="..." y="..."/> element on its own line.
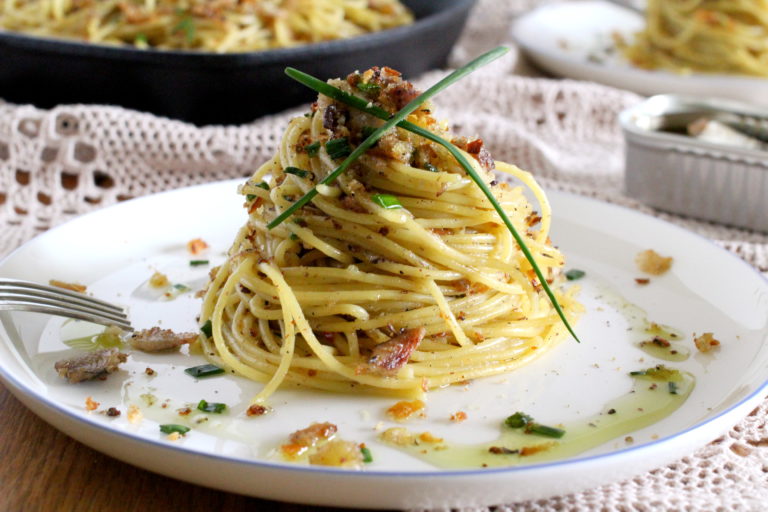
<point x="18" y="295"/>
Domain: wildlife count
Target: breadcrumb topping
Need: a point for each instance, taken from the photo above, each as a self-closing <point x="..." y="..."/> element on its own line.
<point x="651" y="262"/>
<point x="706" y="342"/>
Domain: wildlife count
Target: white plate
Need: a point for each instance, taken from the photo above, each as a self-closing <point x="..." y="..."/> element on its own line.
<point x="115" y="250"/>
<point x="573" y="40"/>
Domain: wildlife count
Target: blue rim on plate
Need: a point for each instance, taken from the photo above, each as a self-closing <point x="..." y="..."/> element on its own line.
<point x="723" y="419"/>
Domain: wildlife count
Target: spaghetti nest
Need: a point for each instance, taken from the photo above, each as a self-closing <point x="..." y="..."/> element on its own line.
<point x="210" y="25"/>
<point x="714" y="36"/>
<point x="398" y="278"/>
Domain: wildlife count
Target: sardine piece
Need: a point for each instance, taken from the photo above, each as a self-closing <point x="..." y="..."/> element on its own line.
<point x="157" y="339"/>
<point x="93" y="365"/>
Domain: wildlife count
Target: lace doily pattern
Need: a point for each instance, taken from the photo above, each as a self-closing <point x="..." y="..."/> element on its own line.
<point x="73" y="159"/>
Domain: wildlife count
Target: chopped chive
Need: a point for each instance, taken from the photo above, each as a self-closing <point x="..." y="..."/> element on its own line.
<point x="301" y="173"/>
<point x="658" y="373"/>
<point x="263" y="185"/>
<point x="367" y="456"/>
<point x="575" y="274"/>
<point x="204" y="370"/>
<point x="368" y="87"/>
<point x="387" y="201"/>
<point x="186" y="25"/>
<point x="141" y="38"/>
<point x="313" y="149"/>
<point x="529" y="426"/>
<point x="250" y="197"/>
<point x="338" y="148"/>
<point x="294" y="236"/>
<point x="170" y="428"/>
<point x="544" y="430"/>
<point x="181" y="287"/>
<point x="197" y="263"/>
<point x="207" y="328"/>
<point x="211" y="407"/>
<point x="430" y="168"/>
<point x="672" y="387"/>
<point x="399" y="120"/>
<point x="518" y="420"/>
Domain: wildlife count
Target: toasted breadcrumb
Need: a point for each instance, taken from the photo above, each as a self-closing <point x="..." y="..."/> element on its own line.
<point x="68" y="286"/>
<point x="403" y="437"/>
<point x="653" y="263"/>
<point x="458" y="417"/>
<point x="312" y="434"/>
<point x="196" y="246"/>
<point x="256" y="410"/>
<point x="705" y="342"/>
<point x="338" y="453"/>
<point x="134" y="414"/>
<point x="397" y="435"/>
<point x="292" y="450"/>
<point x="91" y="404"/>
<point x="404" y="410"/>
<point x="526" y="451"/>
<point x="159" y="280"/>
<point x="427" y="437"/>
<point x="174" y="436"/>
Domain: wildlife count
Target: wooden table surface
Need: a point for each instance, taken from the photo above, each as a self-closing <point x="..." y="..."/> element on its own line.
<point x="43" y="470"/>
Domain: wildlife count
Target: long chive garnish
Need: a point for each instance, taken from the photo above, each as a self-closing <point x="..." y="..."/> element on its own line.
<point x="353" y="101"/>
<point x="392" y="121"/>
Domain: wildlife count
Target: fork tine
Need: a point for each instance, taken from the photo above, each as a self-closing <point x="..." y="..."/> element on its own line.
<point x="28" y="296"/>
<point x="45" y="301"/>
<point x="39" y="290"/>
<point x="86" y="315"/>
<point x="39" y="295"/>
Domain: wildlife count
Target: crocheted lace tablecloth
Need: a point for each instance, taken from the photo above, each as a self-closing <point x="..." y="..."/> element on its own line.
<point x="73" y="159"/>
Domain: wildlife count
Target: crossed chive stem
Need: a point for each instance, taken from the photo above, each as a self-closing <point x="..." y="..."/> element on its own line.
<point x="399" y="120"/>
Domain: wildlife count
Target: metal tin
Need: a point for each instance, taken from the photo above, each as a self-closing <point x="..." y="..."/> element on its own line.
<point x="673" y="171"/>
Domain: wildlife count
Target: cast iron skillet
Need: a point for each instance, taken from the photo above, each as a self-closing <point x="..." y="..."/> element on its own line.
<point x="208" y="88"/>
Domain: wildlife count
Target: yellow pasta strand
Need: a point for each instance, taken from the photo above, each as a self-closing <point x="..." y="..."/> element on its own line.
<point x="711" y="36"/>
<point x="210" y="25"/>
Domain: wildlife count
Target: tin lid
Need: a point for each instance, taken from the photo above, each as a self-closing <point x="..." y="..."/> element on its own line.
<point x="723" y="129"/>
